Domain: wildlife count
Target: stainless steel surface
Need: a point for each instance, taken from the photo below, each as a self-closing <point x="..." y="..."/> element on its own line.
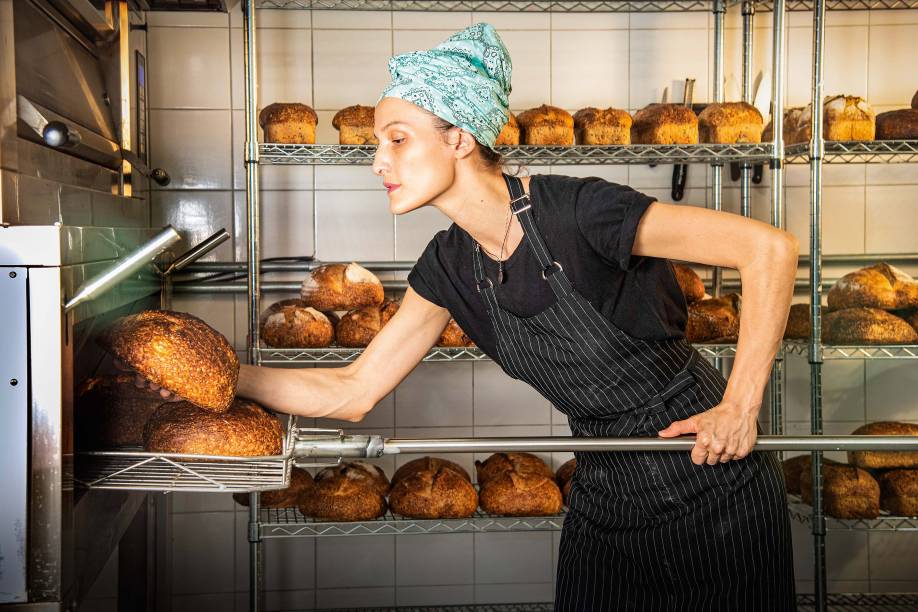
<point x="871" y="152"/>
<point x="124" y="268"/>
<point x="200" y="250"/>
<point x="100" y="19"/>
<point x="14" y="423"/>
<point x="253" y="250"/>
<point x="717" y="170"/>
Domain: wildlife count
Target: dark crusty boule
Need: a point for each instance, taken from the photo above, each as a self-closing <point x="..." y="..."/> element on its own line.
<point x="180" y="353"/>
<point x="301" y="484"/>
<point x="112" y="411"/>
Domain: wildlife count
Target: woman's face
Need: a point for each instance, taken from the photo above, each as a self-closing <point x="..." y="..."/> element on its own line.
<point x="413" y="157"/>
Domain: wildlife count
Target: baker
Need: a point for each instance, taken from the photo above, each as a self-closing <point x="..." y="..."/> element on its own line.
<point x="566" y="284"/>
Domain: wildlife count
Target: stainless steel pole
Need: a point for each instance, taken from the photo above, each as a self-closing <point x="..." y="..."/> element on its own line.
<point x="253" y="289"/>
<point x="748" y="33"/>
<point x="719" y="9"/>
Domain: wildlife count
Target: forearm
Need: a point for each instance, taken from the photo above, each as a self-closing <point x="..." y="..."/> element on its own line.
<point x="309" y="392"/>
<point x="767" y="289"/>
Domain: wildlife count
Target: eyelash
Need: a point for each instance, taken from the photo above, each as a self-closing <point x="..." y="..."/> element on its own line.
<point x="398" y="140"/>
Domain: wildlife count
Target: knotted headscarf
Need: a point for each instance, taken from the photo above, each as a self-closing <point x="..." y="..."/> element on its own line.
<point x="464" y="80"/>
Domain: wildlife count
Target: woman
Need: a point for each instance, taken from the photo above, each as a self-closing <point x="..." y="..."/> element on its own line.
<point x="565" y="283"/>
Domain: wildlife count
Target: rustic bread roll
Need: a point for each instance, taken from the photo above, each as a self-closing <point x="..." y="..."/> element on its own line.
<point x="798" y="322"/>
<point x="515" y="493"/>
<point x="245" y="430"/>
<point x="358" y="327"/>
<point x="111" y="411"/>
<point x="454" y="336"/>
<point x="341" y="287"/>
<point x="347" y="492"/>
<point x="664" y="124"/>
<point x="794" y="131"/>
<point x="689" y="282"/>
<point x="846" y="118"/>
<point x="730" y="123"/>
<point x="898" y="124"/>
<point x="848" y="491"/>
<point x="885" y="459"/>
<point x="355" y="125"/>
<point x="899" y="492"/>
<point x="866" y="326"/>
<point x="597" y="126"/>
<point x="878" y="286"/>
<point x="500" y="463"/>
<point x="437" y="492"/>
<point x="714" y="319"/>
<point x="565" y="478"/>
<point x="301" y="484"/>
<point x="294" y="324"/>
<point x="289" y="123"/>
<point x="510" y="133"/>
<point x="178" y="352"/>
<point x="795" y="466"/>
<point x="429" y="464"/>
<point x="547" y="126"/>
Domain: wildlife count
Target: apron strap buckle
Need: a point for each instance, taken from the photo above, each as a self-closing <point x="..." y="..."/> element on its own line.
<point x="518" y="208"/>
<point x="549" y="267"/>
<point x="480" y="284"/>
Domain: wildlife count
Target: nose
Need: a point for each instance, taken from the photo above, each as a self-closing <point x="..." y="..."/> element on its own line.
<point x="380" y="163"/>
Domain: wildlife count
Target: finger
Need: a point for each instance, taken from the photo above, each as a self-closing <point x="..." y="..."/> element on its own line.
<point x="699" y="454"/>
<point x="139" y="381"/>
<point x="121" y="365"/>
<point x="726" y="457"/>
<point x="164" y="393"/>
<point x="712" y="459"/>
<point x="678" y="428"/>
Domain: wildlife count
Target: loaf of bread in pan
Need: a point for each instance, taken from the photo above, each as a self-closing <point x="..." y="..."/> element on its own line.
<point x="664" y="124"/>
<point x="245" y="430"/>
<point x="435" y="490"/>
<point x="602" y="126"/>
<point x="289" y="123"/>
<point x="714" y="319"/>
<point x="510" y="133"/>
<point x="848" y="491"/>
<point x="866" y="326"/>
<point x="355" y="125"/>
<point x="341" y="287"/>
<point x="294" y="324"/>
<point x="885" y="459"/>
<point x="899" y="492"/>
<point x="180" y="353"/>
<point x="301" y="484"/>
<point x="111" y="411"/>
<point x="730" y="123"/>
<point x="358" y="327"/>
<point x="546" y="126"/>
<point x="878" y="286"/>
<point x="845" y="118"/>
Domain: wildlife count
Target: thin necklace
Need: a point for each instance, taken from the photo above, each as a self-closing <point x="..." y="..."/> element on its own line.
<point x="500" y="260"/>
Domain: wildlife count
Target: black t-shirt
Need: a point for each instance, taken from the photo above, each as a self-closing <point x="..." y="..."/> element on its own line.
<point x="589" y="226"/>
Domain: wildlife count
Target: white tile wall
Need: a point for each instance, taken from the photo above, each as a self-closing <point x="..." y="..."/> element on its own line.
<point x="332" y="59"/>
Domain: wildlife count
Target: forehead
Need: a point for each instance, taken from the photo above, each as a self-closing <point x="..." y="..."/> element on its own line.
<point x="391" y="110"/>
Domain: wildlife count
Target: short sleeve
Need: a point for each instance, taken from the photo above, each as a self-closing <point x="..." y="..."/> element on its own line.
<point x="608" y="215"/>
<point x="427" y="274"/>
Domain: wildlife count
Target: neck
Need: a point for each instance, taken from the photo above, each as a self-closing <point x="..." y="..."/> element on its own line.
<point x="479" y="203"/>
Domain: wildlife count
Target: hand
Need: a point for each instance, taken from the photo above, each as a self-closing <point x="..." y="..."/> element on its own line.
<point x="142" y="383"/>
<point x="723" y="433"/>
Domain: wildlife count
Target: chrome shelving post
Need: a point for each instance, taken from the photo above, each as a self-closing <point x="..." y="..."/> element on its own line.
<point x="748" y="33"/>
<point x="777" y="187"/>
<point x="717" y="170"/>
<point x="815" y="345"/>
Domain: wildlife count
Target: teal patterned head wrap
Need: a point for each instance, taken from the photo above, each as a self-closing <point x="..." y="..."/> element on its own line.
<point x="464" y="80"/>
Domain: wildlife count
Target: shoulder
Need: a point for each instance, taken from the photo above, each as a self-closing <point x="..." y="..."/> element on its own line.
<point x="445" y="246"/>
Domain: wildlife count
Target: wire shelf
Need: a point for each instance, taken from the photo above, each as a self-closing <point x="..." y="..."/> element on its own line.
<point x="509" y="607"/>
<point x="537" y="6"/>
<point x="802" y="513"/>
<point x="832" y="351"/>
<point x="290" y="523"/>
<point x="874" y="151"/>
<point x="839" y="5"/>
<point x="136" y="470"/>
<point x="321" y="154"/>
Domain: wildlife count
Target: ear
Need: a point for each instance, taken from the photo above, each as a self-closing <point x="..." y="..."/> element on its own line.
<point x="465" y="145"/>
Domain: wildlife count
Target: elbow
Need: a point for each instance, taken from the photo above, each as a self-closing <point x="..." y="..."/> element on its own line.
<point x="783" y="249"/>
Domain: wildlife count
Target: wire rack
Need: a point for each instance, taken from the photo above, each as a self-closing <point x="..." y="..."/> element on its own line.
<point x="322" y="154"/>
<point x="874" y="151"/>
<point x="532" y="6"/>
<point x="878" y="351"/>
<point x="840" y="5"/>
<point x="142" y="471"/>
<point x="290" y="523"/>
<point x="511" y="607"/>
<point x="802" y="513"/>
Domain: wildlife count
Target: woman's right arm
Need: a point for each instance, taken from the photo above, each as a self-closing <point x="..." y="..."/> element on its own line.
<point x="349" y="392"/>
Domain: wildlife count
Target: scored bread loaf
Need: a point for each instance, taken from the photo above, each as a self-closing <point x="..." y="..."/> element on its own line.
<point x="689" y="282"/>
<point x="436" y="490"/>
<point x="500" y="463"/>
<point x="355" y="125"/>
<point x="885" y="459"/>
<point x="795" y="466"/>
<point x="898" y="124"/>
<point x="866" y="326"/>
<point x="596" y="126"/>
<point x="515" y="493"/>
<point x="510" y="133"/>
<point x="245" y="430"/>
<point x="845" y="118"/>
<point x="341" y="287"/>
<point x="294" y="324"/>
<point x="878" y="286"/>
<point x="899" y="492"/>
<point x="348" y="492"/>
<point x="714" y="319"/>
<point x="546" y="126"/>
<point x="180" y="353"/>
<point x="664" y="124"/>
<point x="358" y="327"/>
<point x="848" y="491"/>
<point x="730" y="123"/>
<point x="112" y="411"/>
<point x="453" y="335"/>
<point x="301" y="484"/>
<point x="428" y="463"/>
<point x="289" y="123"/>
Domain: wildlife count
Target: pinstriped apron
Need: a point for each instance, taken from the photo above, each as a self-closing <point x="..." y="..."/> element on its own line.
<point x="645" y="530"/>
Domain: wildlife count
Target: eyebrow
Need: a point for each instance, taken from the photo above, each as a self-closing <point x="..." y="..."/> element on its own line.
<point x="385" y="127"/>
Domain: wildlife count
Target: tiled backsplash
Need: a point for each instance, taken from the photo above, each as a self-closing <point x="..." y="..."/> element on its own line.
<point x="331" y="59"/>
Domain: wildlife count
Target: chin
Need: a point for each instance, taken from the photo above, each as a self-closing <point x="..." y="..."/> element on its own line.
<point x="399" y="205"/>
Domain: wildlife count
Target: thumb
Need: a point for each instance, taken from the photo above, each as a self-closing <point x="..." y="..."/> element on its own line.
<point x="678" y="428"/>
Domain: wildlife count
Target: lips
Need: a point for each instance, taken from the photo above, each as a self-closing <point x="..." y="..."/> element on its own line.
<point x="390" y="187"/>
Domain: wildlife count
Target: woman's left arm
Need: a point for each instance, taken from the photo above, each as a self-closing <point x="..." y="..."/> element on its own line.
<point x="766" y="259"/>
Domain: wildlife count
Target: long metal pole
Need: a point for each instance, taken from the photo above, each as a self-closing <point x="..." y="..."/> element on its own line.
<point x="815" y="348"/>
<point x="719" y="9"/>
<point x="748" y="33"/>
